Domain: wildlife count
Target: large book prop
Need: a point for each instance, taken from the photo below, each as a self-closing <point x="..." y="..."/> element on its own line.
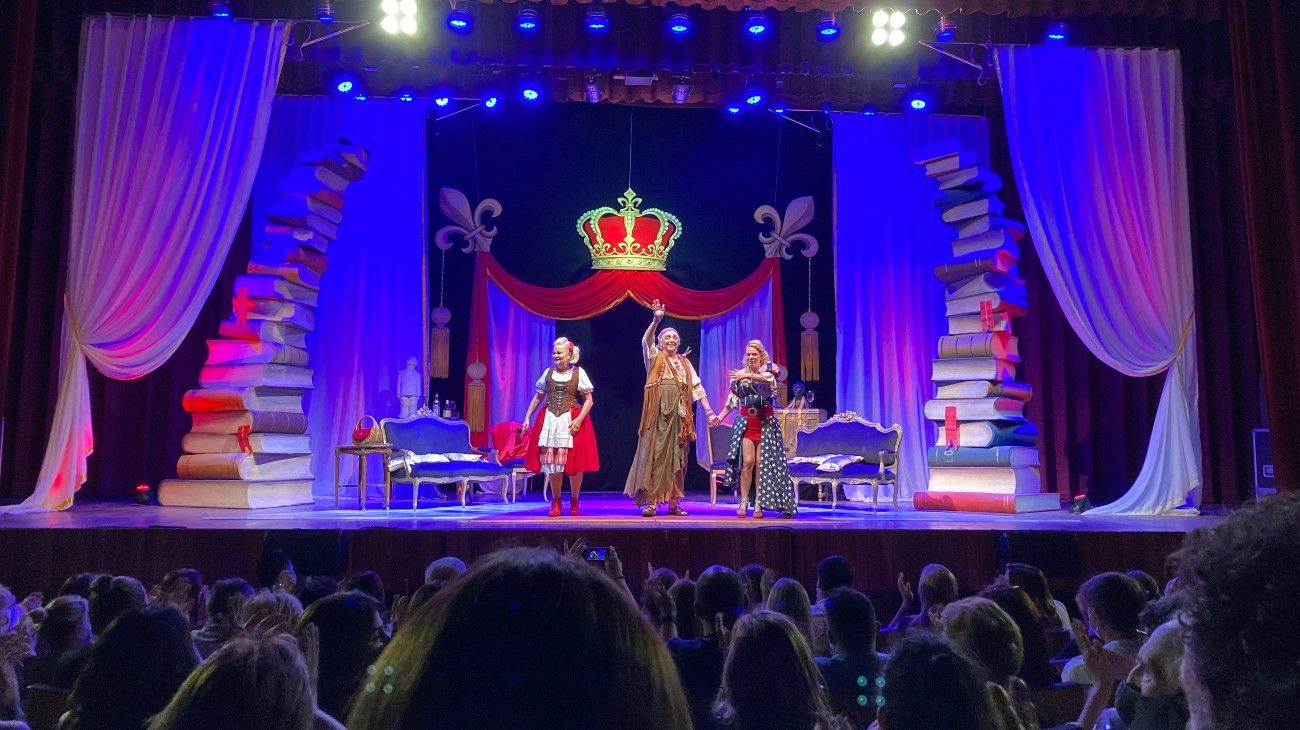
<point x="985" y="457"/>
<point x="248" y="444"/>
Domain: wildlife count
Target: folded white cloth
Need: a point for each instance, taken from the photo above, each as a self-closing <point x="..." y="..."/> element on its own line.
<point x="827" y="462"/>
<point x="398" y="463"/>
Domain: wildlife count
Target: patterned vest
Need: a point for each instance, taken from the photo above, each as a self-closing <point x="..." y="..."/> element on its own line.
<point x="560" y="397"/>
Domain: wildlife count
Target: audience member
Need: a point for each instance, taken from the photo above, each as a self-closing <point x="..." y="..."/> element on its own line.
<point x="937" y="588"/>
<point x="1152" y="697"/>
<point x="758" y="581"/>
<point x="1148" y="582"/>
<point x="854" y="664"/>
<point x="65" y="630"/>
<point x="111" y="597"/>
<point x="658" y="582"/>
<point x="832" y="573"/>
<point x="224" y="601"/>
<point x="270" y="611"/>
<point x="351" y="636"/>
<point x="315" y="587"/>
<point x="259" y="681"/>
<point x="1110" y="603"/>
<point x="422" y="596"/>
<point x="682" y="594"/>
<point x="790" y="599"/>
<point x="367" y="582"/>
<point x="1033" y="582"/>
<point x="987" y="634"/>
<point x="275" y="572"/>
<point x="444" y="569"/>
<point x="525" y="637"/>
<point x="930" y="685"/>
<point x="78" y="584"/>
<point x="719" y="601"/>
<point x="769" y="678"/>
<point x="1036" y="668"/>
<point x="133" y="671"/>
<point x="183" y="589"/>
<point x="1239" y="584"/>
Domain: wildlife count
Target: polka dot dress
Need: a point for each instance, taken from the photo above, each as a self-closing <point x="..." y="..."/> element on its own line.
<point x="775" y="490"/>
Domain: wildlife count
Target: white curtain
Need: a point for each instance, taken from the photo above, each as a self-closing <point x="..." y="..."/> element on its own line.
<point x="889" y="309"/>
<point x="722" y="349"/>
<point x="1099" y="154"/>
<point x="519" y="351"/>
<point x="171" y="117"/>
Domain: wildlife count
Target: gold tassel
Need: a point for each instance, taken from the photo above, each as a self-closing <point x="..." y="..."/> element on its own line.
<point x="440" y="343"/>
<point x="809" y="360"/>
<point x="476" y="397"/>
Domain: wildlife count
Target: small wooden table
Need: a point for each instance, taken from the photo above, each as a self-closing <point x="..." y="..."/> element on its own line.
<point x="361" y="452"/>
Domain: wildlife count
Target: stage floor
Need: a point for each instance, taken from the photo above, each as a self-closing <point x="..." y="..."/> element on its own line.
<point x="600" y="510"/>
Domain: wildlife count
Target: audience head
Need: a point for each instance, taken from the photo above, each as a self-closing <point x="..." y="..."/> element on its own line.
<point x="791" y="600"/>
<point x="1148" y="582"/>
<point x="987" y="634"/>
<point x="187" y="582"/>
<point x="275" y="571"/>
<point x="769" y="674"/>
<point x="1238" y="583"/>
<point x="444" y="569"/>
<point x="1111" y="603"/>
<point x="660" y="579"/>
<point x="78" y="584"/>
<point x="851" y="622"/>
<point x="718" y="593"/>
<point x="270" y="611"/>
<point x="936" y="589"/>
<point x="833" y="572"/>
<point x="112" y="596"/>
<point x="66" y="626"/>
<point x="423" y="594"/>
<point x="548" y="637"/>
<point x="226" y="598"/>
<point x="1033" y="582"/>
<point x="367" y="582"/>
<point x="259" y="681"/>
<point x="1159" y="661"/>
<point x="930" y="684"/>
<point x="313" y="588"/>
<point x="683" y="594"/>
<point x="1157" y="612"/>
<point x="1035" y="668"/>
<point x="351" y="636"/>
<point x="134" y="669"/>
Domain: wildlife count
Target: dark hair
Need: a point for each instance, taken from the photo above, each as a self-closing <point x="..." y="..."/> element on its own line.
<point x="111" y="597"/>
<point x="751" y="577"/>
<point x="423" y="594"/>
<point x="251" y="682"/>
<point x="1033" y="582"/>
<point x="929" y="684"/>
<point x="548" y="636"/>
<point x="194" y="579"/>
<point x="769" y="676"/>
<point x="719" y="591"/>
<point x="348" y="623"/>
<point x="834" y="572"/>
<point x="367" y="582"/>
<point x="314" y="588"/>
<point x="226" y="596"/>
<point x="1238" y="587"/>
<point x="683" y="594"/>
<point x="78" y="584"/>
<point x="1036" y="667"/>
<point x="133" y="670"/>
<point x="851" y="617"/>
<point x="269" y="567"/>
<point x="1148" y="583"/>
<point x="662" y="578"/>
<point x="1116" y="599"/>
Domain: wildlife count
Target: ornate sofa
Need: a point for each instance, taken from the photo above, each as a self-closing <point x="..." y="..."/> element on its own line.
<point x="431" y="450"/>
<point x="869" y="450"/>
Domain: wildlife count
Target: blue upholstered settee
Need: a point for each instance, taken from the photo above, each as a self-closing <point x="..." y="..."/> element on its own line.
<point x="847" y="435"/>
<point x="430" y="450"/>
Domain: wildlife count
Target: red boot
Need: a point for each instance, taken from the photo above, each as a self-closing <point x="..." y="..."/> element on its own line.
<point x="555" y="508"/>
<point x="573" y="507"/>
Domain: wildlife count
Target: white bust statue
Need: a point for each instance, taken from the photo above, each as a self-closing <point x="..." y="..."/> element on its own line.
<point x="409" y="388"/>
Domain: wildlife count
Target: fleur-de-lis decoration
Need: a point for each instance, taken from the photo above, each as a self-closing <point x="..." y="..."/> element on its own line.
<point x="785" y="231"/>
<point x="469" y="226"/>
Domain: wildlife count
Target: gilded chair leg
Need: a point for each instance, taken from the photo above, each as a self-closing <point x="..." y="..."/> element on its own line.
<point x="835" y="488"/>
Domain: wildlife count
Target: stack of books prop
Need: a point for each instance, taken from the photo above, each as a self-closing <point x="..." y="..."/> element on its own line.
<point x="248" y="445"/>
<point x="985" y="456"/>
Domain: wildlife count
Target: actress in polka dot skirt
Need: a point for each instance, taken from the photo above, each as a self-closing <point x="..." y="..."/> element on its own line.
<point x="756" y="452"/>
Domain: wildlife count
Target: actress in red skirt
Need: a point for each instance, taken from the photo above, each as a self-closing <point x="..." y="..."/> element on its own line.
<point x="562" y="440"/>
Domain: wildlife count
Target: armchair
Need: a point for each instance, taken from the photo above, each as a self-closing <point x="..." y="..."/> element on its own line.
<point x="429" y="435"/>
<point x="847" y="434"/>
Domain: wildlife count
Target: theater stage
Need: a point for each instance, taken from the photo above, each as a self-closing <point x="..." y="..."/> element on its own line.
<point x="41" y="549"/>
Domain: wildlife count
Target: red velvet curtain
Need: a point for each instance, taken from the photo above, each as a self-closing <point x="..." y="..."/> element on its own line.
<point x="1266" y="74"/>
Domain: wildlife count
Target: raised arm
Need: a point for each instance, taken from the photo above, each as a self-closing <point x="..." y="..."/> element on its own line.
<point x="648" y="346"/>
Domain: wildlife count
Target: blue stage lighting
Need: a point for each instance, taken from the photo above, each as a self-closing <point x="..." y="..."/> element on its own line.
<point x="869" y="110"/>
<point x="945" y="31"/>
<point x="528" y="19"/>
<point x="733" y="109"/>
<point x="679" y="23"/>
<point x="918" y="100"/>
<point x="441" y="100"/>
<point x="344" y="86"/>
<point x="219" y="9"/>
<point x="597" y="19"/>
<point x="1058" y="34"/>
<point x="360" y="97"/>
<point x="756" y="23"/>
<point x="405" y="95"/>
<point x="460" y="21"/>
<point x="490" y="102"/>
<point x="778" y="108"/>
<point x="828" y="29"/>
<point x="324" y="11"/>
<point x="530" y="90"/>
<point x="753" y="96"/>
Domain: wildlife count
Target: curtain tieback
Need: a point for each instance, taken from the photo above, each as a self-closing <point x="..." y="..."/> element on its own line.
<point x="72" y="320"/>
<point x="1182" y="339"/>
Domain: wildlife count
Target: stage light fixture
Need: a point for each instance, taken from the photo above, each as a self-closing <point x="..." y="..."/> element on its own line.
<point x="529" y="19"/>
<point x="679" y="23"/>
<point x="325" y="11"/>
<point x="828" y="28"/>
<point x="1058" y="34"/>
<point x="530" y="90"/>
<point x="887" y="27"/>
<point x="778" y="108"/>
<point x="441" y="101"/>
<point x="361" y="97"/>
<point x="918" y="100"/>
<point x="755" y="23"/>
<point x="491" y="102"/>
<point x="219" y="9"/>
<point x="733" y="109"/>
<point x="826" y="107"/>
<point x="945" y="30"/>
<point x="591" y="90"/>
<point x="344" y="84"/>
<point x="399" y="17"/>
<point x="869" y="110"/>
<point x="460" y="21"/>
<point x="681" y="92"/>
<point x="753" y="96"/>
<point x="597" y="18"/>
<point x="405" y="95"/>
<point x="143" y="494"/>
